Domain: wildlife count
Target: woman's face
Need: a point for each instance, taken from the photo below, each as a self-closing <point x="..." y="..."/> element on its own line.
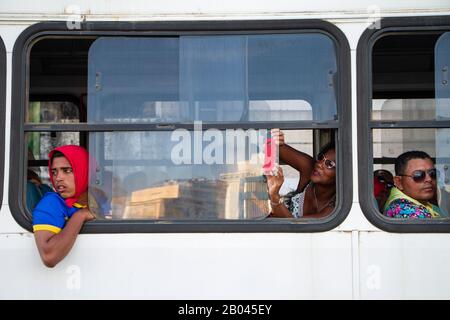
<point x="324" y="171"/>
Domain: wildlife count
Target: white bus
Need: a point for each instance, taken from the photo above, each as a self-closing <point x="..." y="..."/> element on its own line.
<point x="126" y="80"/>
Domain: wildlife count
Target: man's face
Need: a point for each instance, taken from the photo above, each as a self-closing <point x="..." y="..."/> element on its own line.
<point x="420" y="190"/>
<point x="63" y="177"/>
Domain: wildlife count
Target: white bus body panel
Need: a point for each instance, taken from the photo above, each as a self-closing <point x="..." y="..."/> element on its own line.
<point x="183" y="266"/>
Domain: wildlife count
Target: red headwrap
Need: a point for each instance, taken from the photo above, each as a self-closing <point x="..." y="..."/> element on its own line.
<point x="377" y="186"/>
<point x="78" y="158"/>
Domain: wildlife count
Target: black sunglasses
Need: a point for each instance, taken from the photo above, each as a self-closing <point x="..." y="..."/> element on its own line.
<point x="381" y="179"/>
<point x="420" y="175"/>
<point x="330" y="164"/>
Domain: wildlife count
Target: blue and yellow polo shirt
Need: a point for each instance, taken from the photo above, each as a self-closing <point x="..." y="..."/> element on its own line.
<point x="52" y="213"/>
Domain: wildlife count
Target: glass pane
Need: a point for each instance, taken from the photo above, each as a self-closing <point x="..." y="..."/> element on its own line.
<point x="403" y="73"/>
<point x="40" y="143"/>
<point x="298" y="69"/>
<point x="301" y="140"/>
<point x="212" y="78"/>
<point x="179" y="175"/>
<point x="388" y="144"/>
<point x="403" y="109"/>
<point x="156" y="175"/>
<point x="442" y="78"/>
<point x="133" y="79"/>
<point x="52" y="112"/>
<point x="442" y="65"/>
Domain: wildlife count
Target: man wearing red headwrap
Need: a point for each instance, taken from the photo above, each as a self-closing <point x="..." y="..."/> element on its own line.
<point x="58" y="217"/>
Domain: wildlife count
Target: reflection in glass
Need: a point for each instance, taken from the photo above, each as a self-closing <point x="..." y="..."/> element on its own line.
<point x="403" y="109"/>
<point x="212" y="78"/>
<point x="183" y="174"/>
<point x="52" y="112"/>
<point x="40" y="143"/>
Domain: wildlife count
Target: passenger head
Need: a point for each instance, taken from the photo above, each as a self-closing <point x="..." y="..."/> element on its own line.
<point x="324" y="171"/>
<point x="33" y="176"/>
<point x="383" y="181"/>
<point x="68" y="169"/>
<point x="416" y="175"/>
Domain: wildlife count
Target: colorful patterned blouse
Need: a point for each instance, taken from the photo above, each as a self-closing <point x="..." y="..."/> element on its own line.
<point x="399" y="205"/>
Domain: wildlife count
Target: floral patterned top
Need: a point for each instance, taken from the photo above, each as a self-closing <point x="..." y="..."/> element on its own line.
<point x="399" y="205"/>
<point x="403" y="208"/>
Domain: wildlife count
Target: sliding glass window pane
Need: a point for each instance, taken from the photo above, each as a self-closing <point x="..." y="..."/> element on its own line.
<point x="179" y="175"/>
<point x="403" y="77"/>
<point x="442" y="77"/>
<point x="132" y="79"/>
<point x="403" y="109"/>
<point x="212" y="78"/>
<point x="298" y="69"/>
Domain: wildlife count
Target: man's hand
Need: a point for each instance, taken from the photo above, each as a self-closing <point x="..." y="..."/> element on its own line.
<point x="86" y="213"/>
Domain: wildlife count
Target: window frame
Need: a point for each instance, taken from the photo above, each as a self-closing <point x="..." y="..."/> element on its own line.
<point x="2" y="114"/>
<point x="175" y="28"/>
<point x="366" y="125"/>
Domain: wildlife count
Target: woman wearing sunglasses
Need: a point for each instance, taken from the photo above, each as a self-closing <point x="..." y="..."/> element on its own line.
<point x="415" y="188"/>
<point x="315" y="195"/>
<point x="383" y="181"/>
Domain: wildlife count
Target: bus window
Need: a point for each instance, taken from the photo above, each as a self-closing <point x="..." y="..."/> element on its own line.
<point x="176" y="124"/>
<point x="406" y="111"/>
